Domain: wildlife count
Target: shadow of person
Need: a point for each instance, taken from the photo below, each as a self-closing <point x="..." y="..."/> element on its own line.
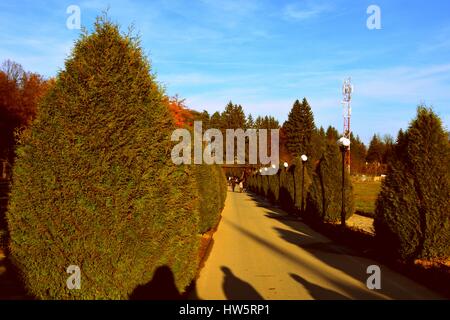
<point x="236" y="289"/>
<point x="161" y="287"/>
<point x="317" y="292"/>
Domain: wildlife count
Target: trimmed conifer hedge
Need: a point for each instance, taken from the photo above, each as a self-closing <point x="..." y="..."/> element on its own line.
<point x="324" y="200"/>
<point x="94" y="184"/>
<point x="293" y="198"/>
<point x="412" y="215"/>
<point x="223" y="186"/>
<point x="280" y="187"/>
<point x="211" y="182"/>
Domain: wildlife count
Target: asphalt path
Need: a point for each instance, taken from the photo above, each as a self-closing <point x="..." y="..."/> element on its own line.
<point x="261" y="253"/>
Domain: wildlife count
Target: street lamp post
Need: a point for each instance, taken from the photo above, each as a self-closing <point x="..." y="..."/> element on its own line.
<point x="344" y="144"/>
<point x="274" y="168"/>
<point x="279" y="183"/>
<point x="267" y="178"/>
<point x="304" y="160"/>
<point x="295" y="189"/>
<point x="285" y="165"/>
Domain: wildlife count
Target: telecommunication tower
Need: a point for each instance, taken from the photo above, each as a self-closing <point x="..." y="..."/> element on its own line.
<point x="347" y="91"/>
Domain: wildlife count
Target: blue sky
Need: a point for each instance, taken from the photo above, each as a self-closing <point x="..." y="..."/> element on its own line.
<point x="265" y="54"/>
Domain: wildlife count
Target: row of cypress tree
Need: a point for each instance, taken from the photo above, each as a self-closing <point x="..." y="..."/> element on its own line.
<point x="94" y="185"/>
<point x="321" y="187"/>
<point x="321" y="194"/>
<point x="412" y="216"/>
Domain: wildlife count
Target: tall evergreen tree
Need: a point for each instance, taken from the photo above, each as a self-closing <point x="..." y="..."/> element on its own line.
<point x="358" y="154"/>
<point x="205" y="118"/>
<point x="94" y="184"/>
<point x="216" y="121"/>
<point x="299" y="129"/>
<point x="376" y="150"/>
<point x="233" y="117"/>
<point x="388" y="142"/>
<point x="332" y="134"/>
<point x="250" y="123"/>
<point x="319" y="142"/>
<point x="412" y="216"/>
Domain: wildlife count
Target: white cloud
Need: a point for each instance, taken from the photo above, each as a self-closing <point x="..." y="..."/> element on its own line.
<point x="305" y="12"/>
<point x="405" y="84"/>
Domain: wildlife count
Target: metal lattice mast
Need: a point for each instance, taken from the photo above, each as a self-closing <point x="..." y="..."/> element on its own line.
<point x="347" y="91"/>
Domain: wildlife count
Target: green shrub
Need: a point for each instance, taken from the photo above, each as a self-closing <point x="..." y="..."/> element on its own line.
<point x="210" y="181"/>
<point x="412" y="216"/>
<point x="273" y="191"/>
<point x="251" y="182"/>
<point x="94" y="184"/>
<point x="265" y="185"/>
<point x="290" y="190"/>
<point x="223" y="188"/>
<point x="259" y="184"/>
<point x="285" y="196"/>
<point x="324" y="200"/>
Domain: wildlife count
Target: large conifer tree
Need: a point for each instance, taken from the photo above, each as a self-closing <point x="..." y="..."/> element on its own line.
<point x="299" y="129"/>
<point x="94" y="185"/>
<point x="412" y="216"/>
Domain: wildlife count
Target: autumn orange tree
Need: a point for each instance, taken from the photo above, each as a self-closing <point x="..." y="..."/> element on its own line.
<point x="181" y="114"/>
<point x="20" y="93"/>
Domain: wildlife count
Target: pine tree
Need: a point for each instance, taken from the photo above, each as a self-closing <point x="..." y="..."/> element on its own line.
<point x="412" y="216"/>
<point x="205" y="118"/>
<point x="94" y="184"/>
<point x="233" y="117"/>
<point x="358" y="154"/>
<point x="319" y="142"/>
<point x="250" y="123"/>
<point x="332" y="134"/>
<point x="299" y="129"/>
<point x="376" y="150"/>
<point x="216" y="121"/>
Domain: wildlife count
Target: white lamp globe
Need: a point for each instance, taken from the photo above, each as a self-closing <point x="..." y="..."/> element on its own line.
<point x="345" y="142"/>
<point x="304" y="158"/>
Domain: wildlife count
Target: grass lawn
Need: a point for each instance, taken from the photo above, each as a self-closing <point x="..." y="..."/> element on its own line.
<point x="365" y="196"/>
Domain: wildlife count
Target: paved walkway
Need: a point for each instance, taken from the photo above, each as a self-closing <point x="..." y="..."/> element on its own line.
<point x="262" y="254"/>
